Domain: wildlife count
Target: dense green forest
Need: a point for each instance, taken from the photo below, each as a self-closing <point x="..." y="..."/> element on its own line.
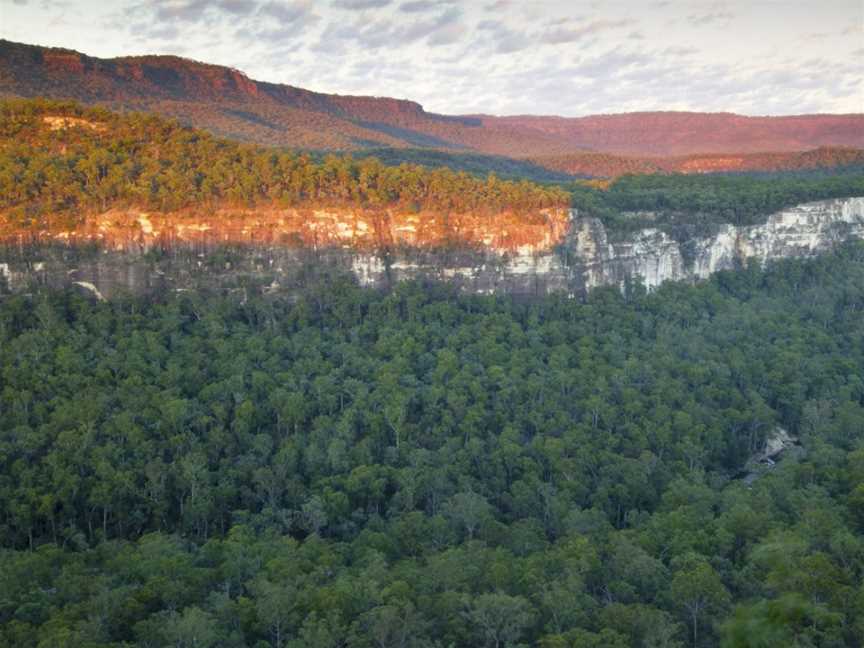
<point x="477" y="164"/>
<point x="418" y="468"/>
<point x="684" y="205"/>
<point x="109" y="159"/>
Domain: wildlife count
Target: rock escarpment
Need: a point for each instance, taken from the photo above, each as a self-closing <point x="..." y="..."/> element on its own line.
<point x="228" y="102"/>
<point x="556" y="253"/>
<point x="655" y="257"/>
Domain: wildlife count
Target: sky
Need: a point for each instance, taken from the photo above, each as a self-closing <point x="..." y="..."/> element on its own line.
<point x="541" y="57"/>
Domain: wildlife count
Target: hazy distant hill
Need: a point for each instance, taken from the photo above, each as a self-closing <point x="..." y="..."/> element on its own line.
<point x="229" y="103"/>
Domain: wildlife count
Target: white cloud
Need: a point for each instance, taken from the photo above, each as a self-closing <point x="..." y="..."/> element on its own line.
<point x="357" y="5"/>
<point x="569" y="33"/>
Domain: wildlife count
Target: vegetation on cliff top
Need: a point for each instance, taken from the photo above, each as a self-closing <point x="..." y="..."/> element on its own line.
<point x="52" y="171"/>
<point x="598" y="164"/>
<point x="54" y="167"/>
<point x="689" y="205"/>
<point x="354" y="469"/>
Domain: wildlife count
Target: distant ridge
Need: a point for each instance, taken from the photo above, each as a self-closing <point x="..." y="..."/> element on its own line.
<point x="229" y="103"/>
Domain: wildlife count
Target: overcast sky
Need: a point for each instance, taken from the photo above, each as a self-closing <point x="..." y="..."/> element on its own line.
<point x="565" y="57"/>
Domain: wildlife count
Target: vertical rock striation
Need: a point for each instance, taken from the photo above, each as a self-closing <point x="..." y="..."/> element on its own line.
<point x="654" y="257"/>
<point x="550" y="260"/>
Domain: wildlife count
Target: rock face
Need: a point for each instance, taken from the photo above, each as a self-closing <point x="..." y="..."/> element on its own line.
<point x="571" y="258"/>
<point x="653" y="256"/>
<point x="778" y="446"/>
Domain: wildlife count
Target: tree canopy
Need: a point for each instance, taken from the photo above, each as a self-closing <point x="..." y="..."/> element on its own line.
<point x="59" y="158"/>
<point x="418" y="468"/>
<point x="686" y="205"/>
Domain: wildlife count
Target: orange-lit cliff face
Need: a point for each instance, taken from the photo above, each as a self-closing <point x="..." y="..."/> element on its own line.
<point x="318" y="228"/>
<point x="62" y="122"/>
<point x="711" y="164"/>
<point x="481" y="255"/>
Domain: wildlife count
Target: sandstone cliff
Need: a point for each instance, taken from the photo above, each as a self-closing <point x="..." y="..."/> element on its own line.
<point x="136" y="252"/>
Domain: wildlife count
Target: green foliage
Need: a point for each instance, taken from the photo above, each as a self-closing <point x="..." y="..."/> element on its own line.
<point x="111" y="160"/>
<point x="474" y="163"/>
<point x="790" y="620"/>
<point x="688" y="205"/>
<point x="420" y="469"/>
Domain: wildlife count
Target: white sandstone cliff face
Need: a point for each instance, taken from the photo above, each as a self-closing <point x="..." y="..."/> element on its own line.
<point x="648" y="254"/>
<point x="586" y="259"/>
<point x="799" y="231"/>
<point x="589" y="259"/>
<point x="802" y="230"/>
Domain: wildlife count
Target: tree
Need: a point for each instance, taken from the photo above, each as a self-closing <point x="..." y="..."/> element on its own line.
<point x="697" y="589"/>
<point x="786" y="621"/>
<point x="394" y="626"/>
<point x="468" y="510"/>
<point x="500" y="619"/>
<point x="275" y="604"/>
<point x="191" y="628"/>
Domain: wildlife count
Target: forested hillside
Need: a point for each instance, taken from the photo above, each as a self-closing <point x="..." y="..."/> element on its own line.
<point x="353" y="468"/>
<point x="611" y="166"/>
<point x="229" y="104"/>
<point x="689" y="205"/>
<point x="59" y="158"/>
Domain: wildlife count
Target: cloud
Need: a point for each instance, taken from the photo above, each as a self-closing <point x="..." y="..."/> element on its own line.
<point x="272" y="22"/>
<point x="627" y="79"/>
<point x="290" y="12"/>
<point x="502" y="38"/>
<point x="190" y="10"/>
<point x="714" y="14"/>
<point x="498" y="5"/>
<point x="183" y="10"/>
<point x="359" y="5"/>
<point x="577" y="32"/>
<point x="447" y="34"/>
<point x="419" y="6"/>
<point x="442" y="29"/>
<point x="160" y="12"/>
<point x="163" y="32"/>
<point x="236" y="7"/>
<point x="608" y="65"/>
<point x="680" y="51"/>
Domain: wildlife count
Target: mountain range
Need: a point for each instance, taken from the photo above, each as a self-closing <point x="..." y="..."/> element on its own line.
<point x="229" y="103"/>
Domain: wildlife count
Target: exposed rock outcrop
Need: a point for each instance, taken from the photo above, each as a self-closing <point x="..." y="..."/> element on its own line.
<point x="119" y="252"/>
<point x="655" y="257"/>
<point x="778" y="445"/>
